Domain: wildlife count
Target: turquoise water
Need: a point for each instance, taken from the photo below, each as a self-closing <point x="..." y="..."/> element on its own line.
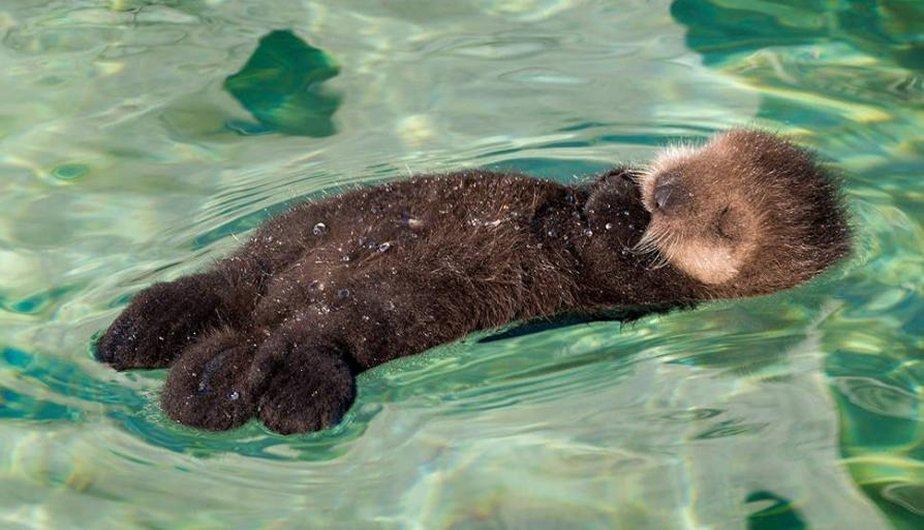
<point x="141" y="139"/>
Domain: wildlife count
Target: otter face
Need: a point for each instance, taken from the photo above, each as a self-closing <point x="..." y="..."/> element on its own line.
<point x="748" y="213"/>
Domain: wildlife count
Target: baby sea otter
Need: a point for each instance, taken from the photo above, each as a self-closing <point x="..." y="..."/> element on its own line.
<point x="281" y="328"/>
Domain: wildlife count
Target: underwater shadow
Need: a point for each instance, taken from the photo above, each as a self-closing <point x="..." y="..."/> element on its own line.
<point x="281" y="85"/>
<point x="886" y="29"/>
<point x="780" y="515"/>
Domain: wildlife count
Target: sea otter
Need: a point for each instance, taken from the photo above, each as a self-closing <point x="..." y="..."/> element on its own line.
<point x="280" y="328"/>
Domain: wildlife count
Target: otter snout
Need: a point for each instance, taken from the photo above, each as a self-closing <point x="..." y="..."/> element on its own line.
<point x="663" y="194"/>
<point x="669" y="194"/>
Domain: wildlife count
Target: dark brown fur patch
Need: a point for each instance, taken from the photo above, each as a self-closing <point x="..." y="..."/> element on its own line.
<point x="339" y="286"/>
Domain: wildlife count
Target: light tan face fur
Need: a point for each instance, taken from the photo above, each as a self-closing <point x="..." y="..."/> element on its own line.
<point x="704" y="225"/>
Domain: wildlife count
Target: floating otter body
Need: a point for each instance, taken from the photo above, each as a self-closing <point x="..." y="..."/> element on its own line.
<point x="281" y="328"/>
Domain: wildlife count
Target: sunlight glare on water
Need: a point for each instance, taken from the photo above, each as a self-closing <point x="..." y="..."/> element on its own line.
<point x="142" y="139"/>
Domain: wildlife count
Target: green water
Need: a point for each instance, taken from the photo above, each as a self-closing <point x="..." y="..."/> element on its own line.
<point x="137" y="143"/>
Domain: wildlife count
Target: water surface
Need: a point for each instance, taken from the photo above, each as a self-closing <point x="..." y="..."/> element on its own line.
<point x="134" y="147"/>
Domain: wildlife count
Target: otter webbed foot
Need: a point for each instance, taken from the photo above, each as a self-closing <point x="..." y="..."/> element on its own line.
<point x="160" y="321"/>
<point x="304" y="383"/>
<point x="208" y="386"/>
<point x="292" y="381"/>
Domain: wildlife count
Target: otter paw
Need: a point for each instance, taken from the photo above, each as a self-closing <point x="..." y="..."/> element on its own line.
<point x="302" y="389"/>
<point x="208" y="386"/>
<point x="160" y="321"/>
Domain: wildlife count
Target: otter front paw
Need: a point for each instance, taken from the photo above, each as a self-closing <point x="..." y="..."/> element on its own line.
<point x="159" y="323"/>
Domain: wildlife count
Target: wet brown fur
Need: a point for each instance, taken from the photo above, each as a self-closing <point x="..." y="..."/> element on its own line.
<point x="765" y="201"/>
<point x="281" y="328"/>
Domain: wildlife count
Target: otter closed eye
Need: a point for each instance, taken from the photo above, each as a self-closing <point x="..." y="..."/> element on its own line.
<point x="280" y="329"/>
<point x="724" y="225"/>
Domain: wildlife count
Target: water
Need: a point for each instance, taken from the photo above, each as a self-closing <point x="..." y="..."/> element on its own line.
<point x="127" y="156"/>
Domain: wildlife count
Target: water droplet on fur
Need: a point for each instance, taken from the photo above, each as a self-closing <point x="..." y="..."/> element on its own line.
<point x="345" y="258"/>
<point x="384" y="247"/>
<point x="319" y="229"/>
<point x="588" y="232"/>
<point x="343" y="293"/>
<point x="552" y="233"/>
<point x="234" y="395"/>
<point x="411" y="222"/>
<point x="609" y="226"/>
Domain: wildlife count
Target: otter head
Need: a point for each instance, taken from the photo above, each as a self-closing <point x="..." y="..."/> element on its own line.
<point x="748" y="213"/>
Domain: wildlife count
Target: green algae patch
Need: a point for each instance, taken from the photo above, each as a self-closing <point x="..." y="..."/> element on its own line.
<point x="281" y="88"/>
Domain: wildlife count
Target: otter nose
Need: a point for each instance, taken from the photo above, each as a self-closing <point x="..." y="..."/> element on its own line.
<point x="665" y="195"/>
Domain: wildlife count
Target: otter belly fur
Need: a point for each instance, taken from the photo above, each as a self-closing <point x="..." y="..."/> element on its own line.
<point x="281" y="328"/>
